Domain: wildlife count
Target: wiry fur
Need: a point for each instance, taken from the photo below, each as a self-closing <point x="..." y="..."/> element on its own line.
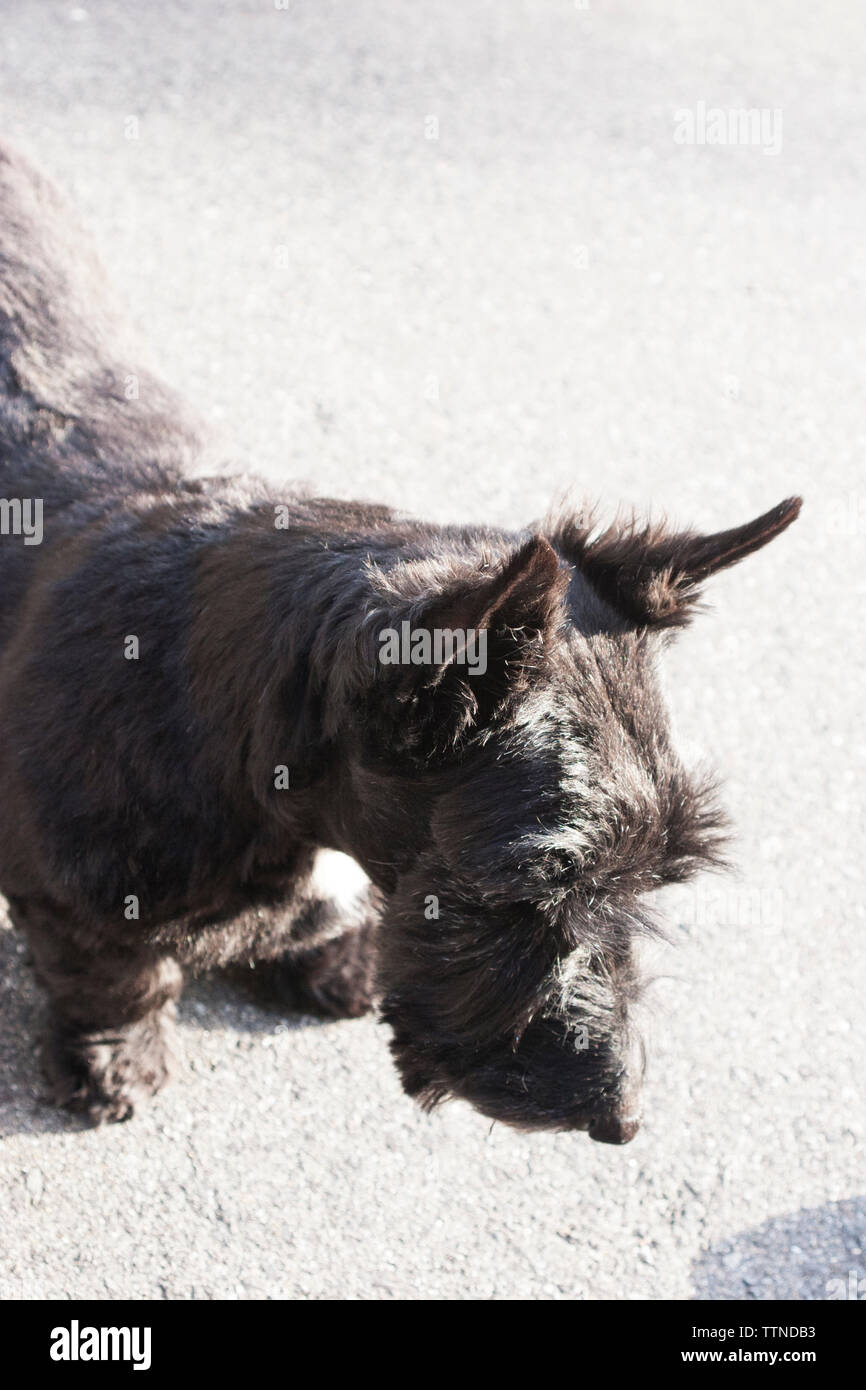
<point x="535" y="805"/>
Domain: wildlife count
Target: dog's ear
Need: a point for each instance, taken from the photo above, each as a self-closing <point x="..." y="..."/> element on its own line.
<point x="651" y="575"/>
<point x="520" y="596"/>
<point x="449" y="685"/>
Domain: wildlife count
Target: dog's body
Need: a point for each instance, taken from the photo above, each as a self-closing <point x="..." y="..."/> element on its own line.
<point x="193" y="708"/>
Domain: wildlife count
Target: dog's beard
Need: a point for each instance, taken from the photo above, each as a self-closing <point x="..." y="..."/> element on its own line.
<point x="562" y="1054"/>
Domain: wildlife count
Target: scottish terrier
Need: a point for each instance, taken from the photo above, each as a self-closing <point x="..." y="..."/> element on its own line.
<point x="208" y="686"/>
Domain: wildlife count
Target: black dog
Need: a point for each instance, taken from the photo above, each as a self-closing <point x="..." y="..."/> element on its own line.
<point x="205" y="683"/>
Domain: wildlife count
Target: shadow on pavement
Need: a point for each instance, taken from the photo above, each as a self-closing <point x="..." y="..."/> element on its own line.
<point x="816" y="1253"/>
<point x="239" y="999"/>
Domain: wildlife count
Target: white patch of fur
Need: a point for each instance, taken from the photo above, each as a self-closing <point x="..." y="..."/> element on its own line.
<point x="339" y="878"/>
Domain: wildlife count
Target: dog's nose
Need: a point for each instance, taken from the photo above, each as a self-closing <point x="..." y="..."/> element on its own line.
<point x="615" y="1129"/>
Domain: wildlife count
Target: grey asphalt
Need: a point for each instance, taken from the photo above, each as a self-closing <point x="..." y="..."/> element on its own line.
<point x="453" y="257"/>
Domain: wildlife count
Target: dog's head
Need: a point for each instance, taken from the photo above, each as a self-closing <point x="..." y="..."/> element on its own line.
<point x="519" y="799"/>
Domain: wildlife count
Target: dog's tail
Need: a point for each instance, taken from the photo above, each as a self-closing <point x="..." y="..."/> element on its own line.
<point x="77" y="414"/>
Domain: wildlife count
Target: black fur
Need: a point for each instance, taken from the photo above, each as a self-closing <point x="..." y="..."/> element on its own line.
<point x="510" y="824"/>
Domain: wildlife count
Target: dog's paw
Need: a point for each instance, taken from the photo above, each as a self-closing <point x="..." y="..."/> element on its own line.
<point x="335" y="980"/>
<point x="104" y="1075"/>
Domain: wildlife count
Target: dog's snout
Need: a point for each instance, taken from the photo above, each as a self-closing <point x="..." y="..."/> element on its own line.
<point x="615" y="1129"/>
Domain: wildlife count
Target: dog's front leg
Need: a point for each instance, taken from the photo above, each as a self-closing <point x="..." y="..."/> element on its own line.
<point x="336" y="979"/>
<point x="110" y="1036"/>
<point x="326" y="963"/>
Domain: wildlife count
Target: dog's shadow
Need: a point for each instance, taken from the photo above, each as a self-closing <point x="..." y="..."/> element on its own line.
<point x="812" y="1254"/>
<point x="244" y="997"/>
<point x="239" y="998"/>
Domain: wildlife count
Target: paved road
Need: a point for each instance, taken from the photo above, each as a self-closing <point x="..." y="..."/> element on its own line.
<point x="454" y="257"/>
